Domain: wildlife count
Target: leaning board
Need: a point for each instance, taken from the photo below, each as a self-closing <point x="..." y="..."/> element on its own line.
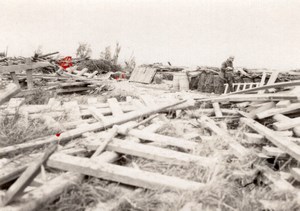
<point x="142" y="75"/>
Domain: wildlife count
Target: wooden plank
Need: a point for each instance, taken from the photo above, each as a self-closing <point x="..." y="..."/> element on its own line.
<point x="271" y="112"/>
<point x="236" y="147"/>
<point x="273" y="78"/>
<point x="284" y="133"/>
<point x="286" y="145"/>
<point x="283" y="104"/>
<point x="54" y="104"/>
<point x="254" y="138"/>
<point x="142" y="75"/>
<point x="296" y="173"/>
<point x="262" y="82"/>
<point x="160" y="139"/>
<point x="97" y="114"/>
<point x="288" y="124"/>
<point x="27" y="177"/>
<point x="252" y="97"/>
<point x="22" y="67"/>
<point x="81" y="72"/>
<point x="51" y="189"/>
<point x="153" y="153"/>
<point x="281" y="118"/>
<point x="100" y="148"/>
<point x="147" y="100"/>
<point x="115" y="107"/>
<point x="273" y="152"/>
<point x="29" y="79"/>
<point x="274" y="177"/>
<point x="10" y="175"/>
<point x="71" y="134"/>
<point x="93" y="74"/>
<point x="10" y="91"/>
<point x="218" y="112"/>
<point x="92" y="100"/>
<point x="120" y="174"/>
<point x="15" y="102"/>
<point x="44" y="194"/>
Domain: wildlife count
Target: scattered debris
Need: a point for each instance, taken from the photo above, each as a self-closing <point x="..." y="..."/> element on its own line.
<point x="164" y="146"/>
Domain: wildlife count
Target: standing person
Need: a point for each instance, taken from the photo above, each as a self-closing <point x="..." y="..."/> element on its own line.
<point x="227" y="72"/>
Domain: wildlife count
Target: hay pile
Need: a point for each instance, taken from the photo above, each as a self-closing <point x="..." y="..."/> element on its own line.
<point x="100" y="65"/>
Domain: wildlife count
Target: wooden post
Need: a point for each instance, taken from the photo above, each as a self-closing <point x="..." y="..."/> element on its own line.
<point x="15" y="79"/>
<point x="29" y="79"/>
<point x="29" y="74"/>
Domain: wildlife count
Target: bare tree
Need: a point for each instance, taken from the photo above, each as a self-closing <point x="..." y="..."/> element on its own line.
<point x="117" y="52"/>
<point x="106" y="54"/>
<point x="130" y="64"/>
<point x="83" y="51"/>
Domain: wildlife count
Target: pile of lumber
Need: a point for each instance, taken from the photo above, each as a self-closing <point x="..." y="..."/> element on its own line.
<point x="261" y="123"/>
<point x="266" y="116"/>
<point x="63" y="81"/>
<point x="117" y="118"/>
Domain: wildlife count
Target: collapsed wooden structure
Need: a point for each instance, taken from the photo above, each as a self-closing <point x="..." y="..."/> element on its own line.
<point x="94" y="135"/>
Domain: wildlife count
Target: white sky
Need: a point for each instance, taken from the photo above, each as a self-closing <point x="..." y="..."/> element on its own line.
<point x="259" y="33"/>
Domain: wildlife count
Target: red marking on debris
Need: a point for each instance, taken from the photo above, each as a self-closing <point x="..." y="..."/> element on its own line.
<point x="66" y="62"/>
<point x="57" y="134"/>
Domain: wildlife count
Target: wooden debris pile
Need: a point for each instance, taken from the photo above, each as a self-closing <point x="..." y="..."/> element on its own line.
<point x="105" y="147"/>
<point x="27" y="73"/>
<point x="269" y="127"/>
<point x="257" y="126"/>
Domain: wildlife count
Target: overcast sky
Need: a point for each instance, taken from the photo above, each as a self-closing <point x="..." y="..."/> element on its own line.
<point x="259" y="33"/>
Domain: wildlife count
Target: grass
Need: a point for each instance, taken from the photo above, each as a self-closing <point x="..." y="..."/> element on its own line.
<point x="38" y="97"/>
<point x="230" y="185"/>
<point x="16" y="129"/>
<point x="81" y="196"/>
